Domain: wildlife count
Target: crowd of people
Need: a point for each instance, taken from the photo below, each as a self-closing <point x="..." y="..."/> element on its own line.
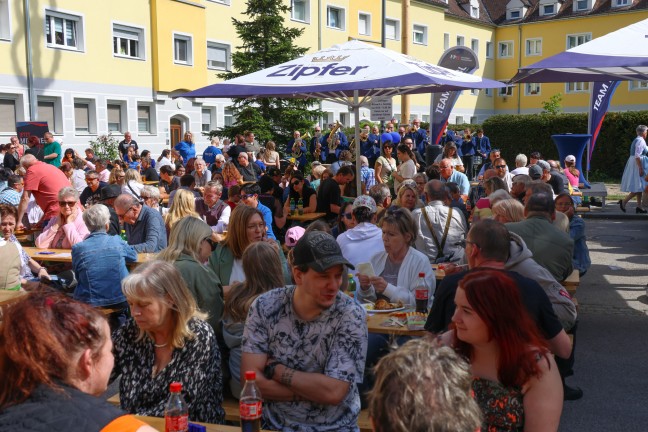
<point x="235" y="284"/>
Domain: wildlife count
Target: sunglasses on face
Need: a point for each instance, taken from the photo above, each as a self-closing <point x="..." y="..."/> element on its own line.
<point x="293" y="184"/>
<point x="212" y="243"/>
<point x="500" y="166"/>
<point x="67" y="203"/>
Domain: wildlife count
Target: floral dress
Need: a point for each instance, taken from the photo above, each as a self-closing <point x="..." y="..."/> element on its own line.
<point x="502" y="407"/>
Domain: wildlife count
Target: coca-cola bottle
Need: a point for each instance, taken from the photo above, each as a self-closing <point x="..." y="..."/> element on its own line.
<point x="176" y="412"/>
<point x="421" y="294"/>
<point x="250" y="404"/>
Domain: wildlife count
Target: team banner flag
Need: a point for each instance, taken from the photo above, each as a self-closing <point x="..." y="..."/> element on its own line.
<point x="27" y="129"/>
<point x="602" y="92"/>
<point x="458" y="58"/>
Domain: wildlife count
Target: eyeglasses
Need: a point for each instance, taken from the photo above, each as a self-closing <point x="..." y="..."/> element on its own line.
<point x="293" y="184"/>
<point x="349" y="216"/>
<point x="246" y="196"/>
<point x="212" y="243"/>
<point x="218" y="161"/>
<point x="67" y="203"/>
<point x="121" y="176"/>
<point x="144" y="197"/>
<point x="125" y="213"/>
<point x="464" y="242"/>
<point x="500" y="166"/>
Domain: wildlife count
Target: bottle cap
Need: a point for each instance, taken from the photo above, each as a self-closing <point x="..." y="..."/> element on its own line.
<point x="421" y="274"/>
<point x="350" y="275"/>
<point x="250" y="376"/>
<point x="175" y="387"/>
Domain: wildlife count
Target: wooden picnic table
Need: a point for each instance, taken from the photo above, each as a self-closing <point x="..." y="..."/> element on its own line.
<point x="151" y="182"/>
<point x="375" y="325"/>
<point x="65" y="255"/>
<point x="158" y="423"/>
<point x="306" y="217"/>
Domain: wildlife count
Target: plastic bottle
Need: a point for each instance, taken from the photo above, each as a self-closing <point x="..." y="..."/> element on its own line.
<point x="292" y="206"/>
<point x="352" y="285"/>
<point x="300" y="206"/>
<point x="422" y="294"/>
<point x="123" y="235"/>
<point x="176" y="412"/>
<point x="250" y="404"/>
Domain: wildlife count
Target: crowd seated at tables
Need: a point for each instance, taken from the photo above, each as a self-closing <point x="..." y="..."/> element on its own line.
<point x="220" y="297"/>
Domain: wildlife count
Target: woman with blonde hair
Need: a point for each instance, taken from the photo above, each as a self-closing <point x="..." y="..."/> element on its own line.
<point x="231" y="175"/>
<point x="132" y="183"/>
<point x="184" y="204"/>
<point x="259" y="279"/>
<point x="408" y="196"/>
<point x="117" y="176"/>
<point x="271" y="157"/>
<point x="508" y="210"/>
<point x="316" y="176"/>
<point x="166" y="340"/>
<point x="190" y="246"/>
<point x="450" y="152"/>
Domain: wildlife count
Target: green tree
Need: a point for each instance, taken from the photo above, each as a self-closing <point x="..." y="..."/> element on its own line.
<point x="105" y="147"/>
<point x="266" y="42"/>
<point x="553" y="106"/>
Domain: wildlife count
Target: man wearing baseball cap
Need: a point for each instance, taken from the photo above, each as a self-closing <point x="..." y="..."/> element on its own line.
<point x="364" y="240"/>
<point x="307" y="343"/>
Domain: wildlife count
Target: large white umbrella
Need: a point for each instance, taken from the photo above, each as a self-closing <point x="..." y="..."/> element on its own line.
<point x="351" y="73"/>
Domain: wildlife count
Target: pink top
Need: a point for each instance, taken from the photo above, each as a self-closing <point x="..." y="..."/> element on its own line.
<point x="66" y="235"/>
<point x="573" y="180"/>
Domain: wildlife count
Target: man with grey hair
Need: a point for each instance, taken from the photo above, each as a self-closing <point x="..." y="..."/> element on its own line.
<point x="201" y="174"/>
<point x="144" y="226"/>
<point x="212" y="209"/>
<point x="552" y="248"/>
<point x="99" y="264"/>
<point x="520" y="165"/>
<point x="555" y="182"/>
<point x="440" y="228"/>
<point x="382" y="196"/>
<point x="519" y="186"/>
<point x="151" y="196"/>
<point x="249" y="171"/>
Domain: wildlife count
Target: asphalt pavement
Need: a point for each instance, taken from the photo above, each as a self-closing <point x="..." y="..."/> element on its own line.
<point x="612" y="339"/>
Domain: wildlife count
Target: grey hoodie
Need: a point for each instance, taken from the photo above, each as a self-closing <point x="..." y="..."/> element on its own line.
<point x="521" y="261"/>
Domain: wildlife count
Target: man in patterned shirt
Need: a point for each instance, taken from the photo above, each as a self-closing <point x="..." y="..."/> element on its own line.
<point x="308" y="343"/>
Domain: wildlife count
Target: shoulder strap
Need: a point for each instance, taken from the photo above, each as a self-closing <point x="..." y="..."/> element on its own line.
<point x="134" y="193"/>
<point x="445" y="231"/>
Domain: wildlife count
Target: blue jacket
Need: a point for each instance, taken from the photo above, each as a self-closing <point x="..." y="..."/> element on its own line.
<point x="99" y="263"/>
<point x="187" y="150"/>
<point x="148" y="234"/>
<point x="482" y="145"/>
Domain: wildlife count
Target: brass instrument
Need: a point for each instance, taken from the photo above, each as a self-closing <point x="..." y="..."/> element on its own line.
<point x="318" y="150"/>
<point x="306" y="136"/>
<point x="352" y="148"/>
<point x="364" y="136"/>
<point x="333" y="136"/>
<point x="296" y="148"/>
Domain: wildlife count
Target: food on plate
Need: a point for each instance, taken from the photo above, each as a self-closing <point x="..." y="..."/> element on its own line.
<point x="383" y="304"/>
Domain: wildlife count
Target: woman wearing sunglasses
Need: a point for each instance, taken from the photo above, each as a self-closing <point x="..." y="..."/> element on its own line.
<point x="190" y="245"/>
<point x="299" y="190"/>
<point x="67" y="228"/>
<point x="345" y="219"/>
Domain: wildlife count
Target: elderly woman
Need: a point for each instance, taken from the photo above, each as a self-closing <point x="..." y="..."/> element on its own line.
<point x="408" y="196"/>
<point x="190" y="246"/>
<point x="67" y="228"/>
<point x="151" y="197"/>
<point x="508" y="210"/>
<point x="28" y="267"/>
<point x="132" y="183"/>
<point x="166" y="340"/>
<point x="99" y="263"/>
<point x="75" y="173"/>
<point x="54" y="367"/>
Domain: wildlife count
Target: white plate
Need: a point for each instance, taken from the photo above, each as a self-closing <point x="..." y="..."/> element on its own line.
<point x="369" y="308"/>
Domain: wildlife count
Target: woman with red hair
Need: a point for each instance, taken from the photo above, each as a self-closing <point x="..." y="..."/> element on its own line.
<point x="516" y="380"/>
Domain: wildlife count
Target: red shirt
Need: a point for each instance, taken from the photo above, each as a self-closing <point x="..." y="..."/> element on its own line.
<point x="45" y="181"/>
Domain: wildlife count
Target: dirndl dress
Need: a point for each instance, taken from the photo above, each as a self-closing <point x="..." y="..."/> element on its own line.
<point x="631" y="180"/>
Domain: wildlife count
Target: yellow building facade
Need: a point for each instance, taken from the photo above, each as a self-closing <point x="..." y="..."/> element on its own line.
<point x="116" y="66"/>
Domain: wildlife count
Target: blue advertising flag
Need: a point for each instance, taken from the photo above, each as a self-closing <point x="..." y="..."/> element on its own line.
<point x="601" y="95"/>
<point x="457" y="58"/>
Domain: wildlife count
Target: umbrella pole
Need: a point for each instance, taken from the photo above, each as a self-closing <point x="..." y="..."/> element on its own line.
<point x="356" y="114"/>
<point x="589" y="131"/>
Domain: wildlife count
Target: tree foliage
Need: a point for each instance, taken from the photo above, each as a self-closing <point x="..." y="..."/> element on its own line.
<point x="553" y="106"/>
<point x="265" y="42"/>
<point x="105" y="147"/>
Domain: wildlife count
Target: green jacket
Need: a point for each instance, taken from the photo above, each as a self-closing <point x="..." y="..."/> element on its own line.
<point x="205" y="287"/>
<point x="221" y="262"/>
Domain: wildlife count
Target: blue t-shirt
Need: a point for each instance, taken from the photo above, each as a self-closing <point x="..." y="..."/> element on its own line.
<point x="187" y="150"/>
<point x="267" y="218"/>
<point x="210" y="153"/>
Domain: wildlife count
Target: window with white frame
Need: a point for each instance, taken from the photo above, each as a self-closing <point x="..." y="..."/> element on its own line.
<point x="335" y="17"/>
<point x="49" y="110"/>
<point x="577" y="87"/>
<point x="63" y="30"/>
<point x="206" y="123"/>
<point x="82" y="117"/>
<point x="578" y="39"/>
<point x="513" y="14"/>
<point x="461" y="41"/>
<point x="489" y="49"/>
<point x="144" y="118"/>
<point x="473" y="119"/>
<point x="638" y="85"/>
<point x="364" y="24"/>
<point x="420" y="34"/>
<point x="505" y="49"/>
<point x="392" y="29"/>
<point x="459" y="120"/>
<point x="228" y="119"/>
<point x="533" y="47"/>
<point x="531" y="89"/>
<point x="114" y="114"/>
<point x="620" y="3"/>
<point x="425" y="118"/>
<point x="488" y="92"/>
<point x="218" y="56"/>
<point x="474" y="11"/>
<point x="8" y="115"/>
<point x="505" y="91"/>
<point x="474" y="45"/>
<point x="548" y="9"/>
<point x="5" y="20"/>
<point x="582" y="5"/>
<point x="474" y="92"/>
<point x="446" y="41"/>
<point x="128" y="41"/>
<point x="300" y="10"/>
<point x="182" y="49"/>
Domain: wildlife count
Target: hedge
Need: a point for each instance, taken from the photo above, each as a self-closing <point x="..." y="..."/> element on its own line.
<point x="515" y="134"/>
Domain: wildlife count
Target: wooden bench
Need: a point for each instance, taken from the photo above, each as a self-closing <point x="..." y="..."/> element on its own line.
<point x="582" y="209"/>
<point x="572" y="282"/>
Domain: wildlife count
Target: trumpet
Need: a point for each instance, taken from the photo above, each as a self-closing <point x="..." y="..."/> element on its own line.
<point x="352" y="148"/>
<point x="307" y="136"/>
<point x="333" y="136"/>
<point x="296" y="148"/>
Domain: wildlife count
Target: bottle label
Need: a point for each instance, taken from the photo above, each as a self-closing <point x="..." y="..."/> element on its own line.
<point x="176" y="424"/>
<point x="421" y="294"/>
<point x="250" y="411"/>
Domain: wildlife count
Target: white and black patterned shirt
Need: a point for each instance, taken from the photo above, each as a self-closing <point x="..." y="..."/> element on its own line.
<point x="333" y="344"/>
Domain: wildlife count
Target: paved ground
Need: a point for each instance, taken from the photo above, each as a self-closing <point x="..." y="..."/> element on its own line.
<point x="612" y="342"/>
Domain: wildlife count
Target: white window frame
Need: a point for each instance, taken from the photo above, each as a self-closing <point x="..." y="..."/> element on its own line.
<point x="425" y="118"/>
<point x="14" y="101"/>
<point x="505" y="91"/>
<point x="637" y="85"/>
<point x="211" y="112"/>
<point x="510" y="12"/>
<point x="509" y="51"/>
<point x="421" y="29"/>
<point x="76" y="18"/>
<point x="474" y="11"/>
<point x="341" y="17"/>
<point x="474" y="45"/>
<point x="367" y="26"/>
<point x="228" y="54"/>
<point x="188" y="38"/>
<point x="531" y="47"/>
<point x="461" y="40"/>
<point x="474" y="92"/>
<point x="152" y="120"/>
<point x="489" y="49"/>
<point x="446" y="41"/>
<point x="228" y="116"/>
<point x="57" y="127"/>
<point x="5" y="20"/>
<point x="123" y="115"/>
<point x="92" y="115"/>
<point x="141" y="42"/>
<point x="397" y="28"/>
<point x="545" y="7"/>
<point x="459" y="119"/>
<point x="621" y="3"/>
<point x="488" y="92"/>
<point x="587" y="37"/>
<point x="306" y="11"/>
<point x="577" y="87"/>
<point x="532" y="89"/>
<point x="588" y="5"/>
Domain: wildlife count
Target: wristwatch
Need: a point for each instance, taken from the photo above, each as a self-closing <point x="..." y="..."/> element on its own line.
<point x="269" y="370"/>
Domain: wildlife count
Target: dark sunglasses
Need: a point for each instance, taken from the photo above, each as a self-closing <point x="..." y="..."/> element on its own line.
<point x="293" y="184"/>
<point x="212" y="243"/>
<point x="500" y="166"/>
<point x="67" y="203"/>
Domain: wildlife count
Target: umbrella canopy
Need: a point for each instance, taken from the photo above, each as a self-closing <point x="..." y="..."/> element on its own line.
<point x="350" y="69"/>
<point x="618" y="56"/>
